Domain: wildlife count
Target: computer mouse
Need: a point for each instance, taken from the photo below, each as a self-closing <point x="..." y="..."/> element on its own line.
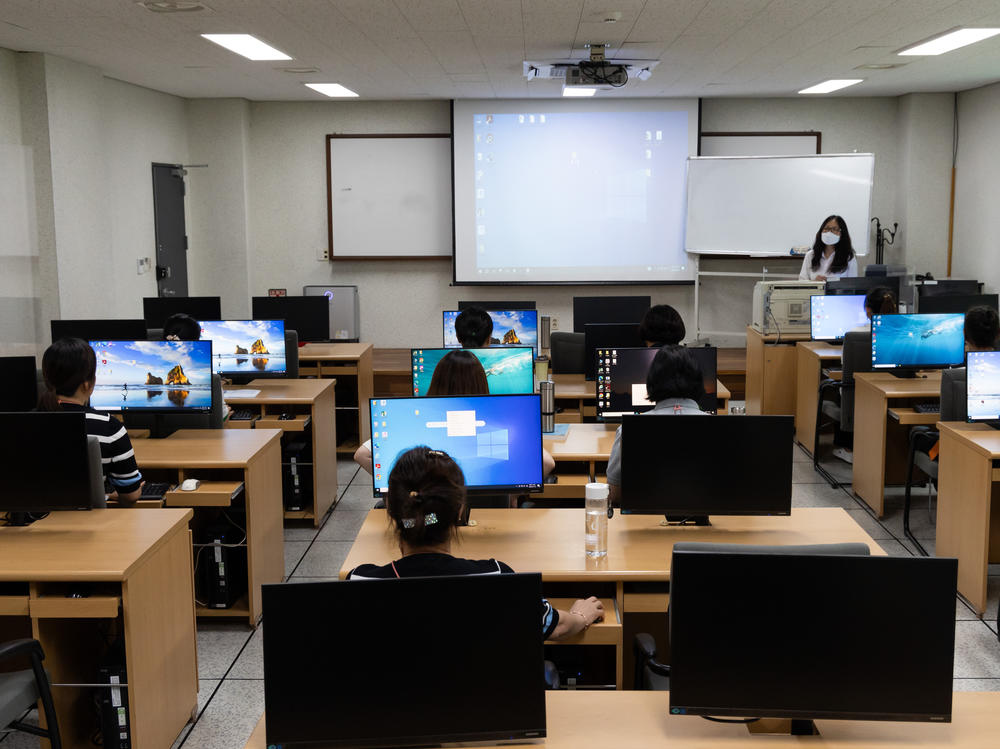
<point x="189" y="485"/>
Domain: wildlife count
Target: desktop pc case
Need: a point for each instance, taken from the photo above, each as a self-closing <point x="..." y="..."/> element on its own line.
<point x="345" y="311"/>
<point x="782" y="307"/>
<point x="222" y="566"/>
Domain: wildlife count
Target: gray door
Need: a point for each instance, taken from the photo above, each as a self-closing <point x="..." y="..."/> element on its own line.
<point x="171" y="235"/>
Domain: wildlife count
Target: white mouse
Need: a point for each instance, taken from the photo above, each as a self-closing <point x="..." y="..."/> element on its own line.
<point x="189" y="485"/>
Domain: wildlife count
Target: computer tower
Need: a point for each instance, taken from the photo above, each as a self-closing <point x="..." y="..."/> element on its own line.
<point x="345" y="313"/>
<point x="116" y="724"/>
<point x="223" y="566"/>
<point x="296" y="476"/>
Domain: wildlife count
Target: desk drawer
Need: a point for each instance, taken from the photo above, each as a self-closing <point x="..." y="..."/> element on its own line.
<point x="13" y="605"/>
<point x="59" y="607"/>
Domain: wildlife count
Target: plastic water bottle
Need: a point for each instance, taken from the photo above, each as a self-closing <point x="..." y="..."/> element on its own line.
<point x="596" y="532"/>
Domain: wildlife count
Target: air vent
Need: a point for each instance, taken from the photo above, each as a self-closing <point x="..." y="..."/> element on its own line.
<point x="172" y="6"/>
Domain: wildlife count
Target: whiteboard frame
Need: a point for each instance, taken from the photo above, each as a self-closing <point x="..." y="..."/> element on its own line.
<point x="329" y="197"/>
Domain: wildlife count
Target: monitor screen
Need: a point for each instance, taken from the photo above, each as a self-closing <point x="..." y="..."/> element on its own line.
<point x="495" y="439"/>
<point x="983" y="385"/>
<point x="511" y="327"/>
<point x="18" y="383"/>
<point x="241" y="347"/>
<point x="862" y="285"/>
<point x="949" y="286"/>
<point x="153" y="376"/>
<point x="488" y="306"/>
<point x="354" y="688"/>
<point x="156" y="310"/>
<point x="607" y="336"/>
<point x="508" y="370"/>
<point x="45" y="441"/>
<point x="309" y="316"/>
<point x="596" y="309"/>
<point x="832" y="316"/>
<point x="960" y="303"/>
<point x="802" y="645"/>
<point x="621" y="380"/>
<point x="670" y="465"/>
<point x="90" y="330"/>
<point x="915" y="341"/>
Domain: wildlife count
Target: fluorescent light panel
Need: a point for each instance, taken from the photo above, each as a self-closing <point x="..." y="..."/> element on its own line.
<point x="578" y="91"/>
<point x="250" y="47"/>
<point x="834" y="84"/>
<point x="949" y="41"/>
<point x="331" y="89"/>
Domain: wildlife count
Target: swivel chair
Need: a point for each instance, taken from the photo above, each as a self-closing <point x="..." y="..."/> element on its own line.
<point x="856" y="357"/>
<point x="20" y="691"/>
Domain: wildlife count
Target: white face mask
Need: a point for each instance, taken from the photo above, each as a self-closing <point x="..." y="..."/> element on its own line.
<point x="829" y="237"/>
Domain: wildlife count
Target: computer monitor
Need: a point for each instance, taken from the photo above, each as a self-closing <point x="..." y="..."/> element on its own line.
<point x="103" y="330"/>
<point x="597" y="309"/>
<point x="156" y="310"/>
<point x="495" y="439"/>
<point x="490" y="306"/>
<point x="911" y="342"/>
<point x="960" y="303"/>
<point x="832" y="316"/>
<point x="153" y="376"/>
<point x="621" y="380"/>
<point x="802" y="644"/>
<point x="349" y="675"/>
<point x="670" y="465"/>
<point x="862" y="285"/>
<point x="246" y="348"/>
<point x="607" y="336"/>
<point x="309" y="316"/>
<point x="18" y="383"/>
<point x="949" y="286"/>
<point x="46" y="466"/>
<point x="983" y="386"/>
<point x="511" y="327"/>
<point x="508" y="370"/>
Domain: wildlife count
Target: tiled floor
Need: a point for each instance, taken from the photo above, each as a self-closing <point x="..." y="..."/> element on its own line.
<point x="231" y="697"/>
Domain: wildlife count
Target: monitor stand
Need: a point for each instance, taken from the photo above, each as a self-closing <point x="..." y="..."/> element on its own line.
<point x="783" y="727"/>
<point x="19" y="519"/>
<point x="685" y="520"/>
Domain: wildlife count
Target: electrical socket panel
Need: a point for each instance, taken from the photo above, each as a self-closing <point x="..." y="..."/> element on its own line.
<point x="322" y="254"/>
<point x="143" y="265"/>
<point x="553" y="323"/>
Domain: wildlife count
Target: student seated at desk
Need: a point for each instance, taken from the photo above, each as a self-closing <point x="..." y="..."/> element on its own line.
<point x="878" y="301"/>
<point x="982" y="329"/>
<point x="674" y="383"/>
<point x="474" y="328"/>
<point x="458" y="373"/>
<point x="69" y="368"/>
<point x="181" y="327"/>
<point x="662" y="326"/>
<point x="832" y="254"/>
<point x="425" y="501"/>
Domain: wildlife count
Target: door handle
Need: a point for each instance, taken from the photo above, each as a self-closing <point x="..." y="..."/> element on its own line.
<point x="162" y="272"/>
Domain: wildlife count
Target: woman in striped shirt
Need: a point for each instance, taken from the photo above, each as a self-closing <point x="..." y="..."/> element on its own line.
<point x="69" y="368"/>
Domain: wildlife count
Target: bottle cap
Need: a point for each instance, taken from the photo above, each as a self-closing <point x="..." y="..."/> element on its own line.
<point x="596" y="491"/>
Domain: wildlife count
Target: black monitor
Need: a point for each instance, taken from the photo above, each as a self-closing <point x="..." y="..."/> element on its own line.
<point x="349" y="675"/>
<point x="949" y="286"/>
<point x="671" y="466"/>
<point x="961" y="303"/>
<point x="903" y="344"/>
<point x="105" y="330"/>
<point x="18" y="383"/>
<point x="511" y="327"/>
<point x="309" y="316"/>
<point x="803" y="642"/>
<point x="621" y="380"/>
<point x="156" y="309"/>
<point x="607" y="336"/>
<point x="863" y="284"/>
<point x="983" y="387"/>
<point x="596" y="309"/>
<point x="509" y="369"/>
<point x="153" y="376"/>
<point x="832" y="316"/>
<point x="46" y="466"/>
<point x="491" y="306"/>
<point x="246" y="349"/>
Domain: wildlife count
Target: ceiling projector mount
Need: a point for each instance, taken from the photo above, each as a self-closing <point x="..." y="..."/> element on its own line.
<point x="597" y="72"/>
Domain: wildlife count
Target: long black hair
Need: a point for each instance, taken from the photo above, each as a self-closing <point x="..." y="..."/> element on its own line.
<point x="66" y="365"/>
<point x="844" y="251"/>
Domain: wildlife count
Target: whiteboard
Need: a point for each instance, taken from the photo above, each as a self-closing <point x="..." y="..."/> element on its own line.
<point x="759" y="144"/>
<point x="766" y="205"/>
<point x="389" y="196"/>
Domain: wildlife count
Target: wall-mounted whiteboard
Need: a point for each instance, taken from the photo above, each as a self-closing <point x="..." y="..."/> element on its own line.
<point x="767" y="205"/>
<point x="389" y="196"/>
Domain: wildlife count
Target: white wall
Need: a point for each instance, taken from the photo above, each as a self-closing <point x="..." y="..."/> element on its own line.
<point x="976" y="251"/>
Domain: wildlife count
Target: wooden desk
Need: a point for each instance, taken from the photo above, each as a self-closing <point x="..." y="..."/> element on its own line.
<point x="311" y="402"/>
<point x="968" y="520"/>
<point x="351" y="365"/>
<point x="640" y="720"/>
<point x="771" y="373"/>
<point x="811" y="358"/>
<point x="391" y="374"/>
<point x="881" y="442"/>
<point x="224" y="458"/>
<point x="137" y="566"/>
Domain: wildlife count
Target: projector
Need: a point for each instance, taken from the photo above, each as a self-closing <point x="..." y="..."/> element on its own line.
<point x="600" y="75"/>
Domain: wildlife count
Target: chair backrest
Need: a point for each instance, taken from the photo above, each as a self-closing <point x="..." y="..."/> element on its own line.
<point x="954" y="388"/>
<point x="567" y="352"/>
<point x="856" y="357"/>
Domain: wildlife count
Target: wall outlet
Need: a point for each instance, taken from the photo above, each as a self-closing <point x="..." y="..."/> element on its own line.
<point x="322" y="254"/>
<point x="553" y="323"/>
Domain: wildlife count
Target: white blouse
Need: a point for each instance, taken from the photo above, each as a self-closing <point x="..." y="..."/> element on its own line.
<point x="808" y="274"/>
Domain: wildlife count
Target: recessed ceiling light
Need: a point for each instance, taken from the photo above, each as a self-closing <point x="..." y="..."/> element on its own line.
<point x="880" y="66"/>
<point x="331" y="89"/>
<point x="168" y="6"/>
<point x="578" y="91"/>
<point x="298" y="71"/>
<point x="250" y="47"/>
<point x="948" y="41"/>
<point x="833" y="84"/>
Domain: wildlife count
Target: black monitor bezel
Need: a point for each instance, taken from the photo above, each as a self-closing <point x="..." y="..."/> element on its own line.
<point x="965" y="301"/>
<point x="444" y="329"/>
<point x="581" y="310"/>
<point x="138" y="326"/>
<point x="907" y="367"/>
<point x="154" y="318"/>
<point x="812" y="316"/>
<point x="853" y="285"/>
<point x="948" y="287"/>
<point x="414" y="350"/>
<point x="230" y="375"/>
<point x="708" y="403"/>
<point x="994" y="422"/>
<point x="317" y="324"/>
<point x="590" y="346"/>
<point x="14" y="368"/>
<point x="497" y="306"/>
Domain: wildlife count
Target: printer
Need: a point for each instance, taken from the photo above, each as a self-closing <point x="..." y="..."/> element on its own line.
<point x="783" y="307"/>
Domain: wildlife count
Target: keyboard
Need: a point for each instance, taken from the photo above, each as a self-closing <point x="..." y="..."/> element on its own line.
<point x="154" y="490"/>
<point x="927" y="408"/>
<point x="242" y="414"/>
